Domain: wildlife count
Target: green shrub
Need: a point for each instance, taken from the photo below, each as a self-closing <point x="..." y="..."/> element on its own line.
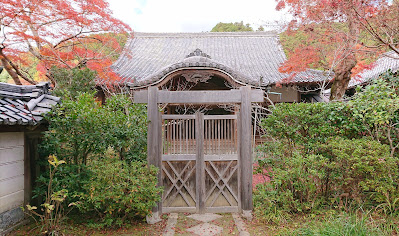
<point x="75" y="130"/>
<point x="81" y="130"/>
<point x="332" y="155"/>
<point x="71" y="82"/>
<point x="119" y="191"/>
<point x="295" y="187"/>
<point x="82" y="127"/>
<point x="126" y="128"/>
<point x="70" y="177"/>
<point x="360" y="169"/>
<point x="303" y="126"/>
<point x="340" y="173"/>
<point x="376" y="107"/>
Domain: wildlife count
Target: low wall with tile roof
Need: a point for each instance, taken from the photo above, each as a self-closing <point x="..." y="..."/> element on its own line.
<point x="11" y="178"/>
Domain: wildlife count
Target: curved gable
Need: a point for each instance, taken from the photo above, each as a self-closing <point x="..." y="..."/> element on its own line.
<point x="195" y="60"/>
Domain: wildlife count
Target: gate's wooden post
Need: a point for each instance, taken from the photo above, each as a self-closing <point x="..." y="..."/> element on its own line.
<point x="153" y="144"/>
<point x="246" y="151"/>
<point x="200" y="163"/>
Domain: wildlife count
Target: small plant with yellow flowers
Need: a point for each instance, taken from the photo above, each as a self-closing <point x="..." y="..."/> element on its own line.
<point x="52" y="209"/>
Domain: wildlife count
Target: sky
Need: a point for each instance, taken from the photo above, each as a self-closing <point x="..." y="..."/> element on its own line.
<point x="193" y="16"/>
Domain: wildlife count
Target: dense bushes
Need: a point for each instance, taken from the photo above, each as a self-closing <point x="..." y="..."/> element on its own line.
<point x="118" y="190"/>
<point x="104" y="146"/>
<point x="82" y="127"/>
<point x="345" y="173"/>
<point x="335" y="156"/>
<point x="304" y="125"/>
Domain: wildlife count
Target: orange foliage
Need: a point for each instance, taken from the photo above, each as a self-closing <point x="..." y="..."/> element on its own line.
<point x="309" y="55"/>
<point x="62" y="33"/>
<point x="332" y="33"/>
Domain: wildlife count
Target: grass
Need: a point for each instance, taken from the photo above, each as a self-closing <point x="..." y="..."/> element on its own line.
<point x="331" y="225"/>
<point x="345" y="225"/>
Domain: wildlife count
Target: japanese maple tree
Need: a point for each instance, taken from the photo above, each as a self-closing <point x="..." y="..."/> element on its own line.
<point x="338" y="43"/>
<point x="384" y="26"/>
<point x="61" y="33"/>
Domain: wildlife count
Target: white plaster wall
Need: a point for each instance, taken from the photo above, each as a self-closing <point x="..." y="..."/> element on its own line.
<point x="11" y="170"/>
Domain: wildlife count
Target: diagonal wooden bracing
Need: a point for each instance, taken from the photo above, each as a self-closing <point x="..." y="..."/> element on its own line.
<point x="225" y="177"/>
<point x="174" y="179"/>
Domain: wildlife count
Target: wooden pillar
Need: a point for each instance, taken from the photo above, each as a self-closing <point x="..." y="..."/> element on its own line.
<point x="154" y="144"/>
<point x="28" y="148"/>
<point x="200" y="165"/>
<point x="246" y="151"/>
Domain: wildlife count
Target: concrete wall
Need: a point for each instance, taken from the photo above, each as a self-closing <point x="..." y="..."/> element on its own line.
<point x="11" y="178"/>
<point x="288" y="94"/>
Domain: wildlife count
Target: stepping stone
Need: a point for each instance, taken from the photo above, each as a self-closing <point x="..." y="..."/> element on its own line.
<point x="170" y="225"/>
<point x="206" y="229"/>
<point x="205" y="217"/>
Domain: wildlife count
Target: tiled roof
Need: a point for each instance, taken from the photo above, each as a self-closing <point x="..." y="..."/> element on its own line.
<point x="25" y="105"/>
<point x="389" y="60"/>
<point x="250" y="57"/>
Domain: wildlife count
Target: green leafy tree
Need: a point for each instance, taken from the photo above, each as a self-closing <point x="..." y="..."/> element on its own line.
<point x="260" y="28"/>
<point x="82" y="127"/>
<point x="3" y="75"/>
<point x="126" y="129"/>
<point x="232" y="27"/>
<point x="71" y="82"/>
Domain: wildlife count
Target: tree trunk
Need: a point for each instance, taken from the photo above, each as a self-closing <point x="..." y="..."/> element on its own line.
<point x="344" y="69"/>
<point x="342" y="77"/>
<point x="13" y="70"/>
<point x="10" y="71"/>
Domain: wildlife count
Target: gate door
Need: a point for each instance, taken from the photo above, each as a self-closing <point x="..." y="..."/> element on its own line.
<point x="221" y="163"/>
<point x="179" y="161"/>
<point x="200" y="163"/>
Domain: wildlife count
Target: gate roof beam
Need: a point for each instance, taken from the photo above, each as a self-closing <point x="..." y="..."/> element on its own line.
<point x="199" y="97"/>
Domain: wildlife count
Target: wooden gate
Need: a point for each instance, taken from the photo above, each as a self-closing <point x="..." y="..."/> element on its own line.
<point x="205" y="161"/>
<point x="200" y="163"/>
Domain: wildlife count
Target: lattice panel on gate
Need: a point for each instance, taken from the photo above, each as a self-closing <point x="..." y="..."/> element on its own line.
<point x="178" y="178"/>
<point x="221" y="183"/>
